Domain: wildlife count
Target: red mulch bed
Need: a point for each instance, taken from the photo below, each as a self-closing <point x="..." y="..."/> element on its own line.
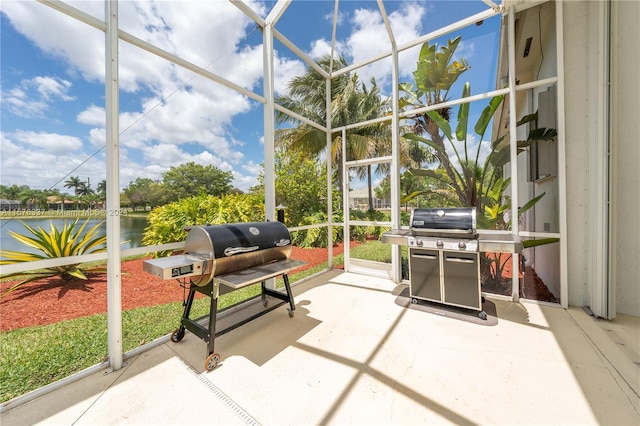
<point x="531" y="287"/>
<point x="51" y="300"/>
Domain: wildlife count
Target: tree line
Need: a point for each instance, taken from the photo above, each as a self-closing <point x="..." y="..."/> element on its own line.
<point x="178" y="182"/>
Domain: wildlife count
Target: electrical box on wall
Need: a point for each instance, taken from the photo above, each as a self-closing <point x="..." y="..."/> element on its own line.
<point x="543" y="155"/>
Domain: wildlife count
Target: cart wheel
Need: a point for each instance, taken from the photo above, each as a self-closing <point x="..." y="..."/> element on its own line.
<point x="177" y="335"/>
<point x="414" y="301"/>
<point x="212" y="362"/>
<point x="291" y="313"/>
<point x="482" y="315"/>
<point x="265" y="303"/>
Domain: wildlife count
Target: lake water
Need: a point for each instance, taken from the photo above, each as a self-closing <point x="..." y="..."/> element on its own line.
<point x="131" y="230"/>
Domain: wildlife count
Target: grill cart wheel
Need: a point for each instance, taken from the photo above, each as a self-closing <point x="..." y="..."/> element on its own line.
<point x="212" y="362"/>
<point x="177" y="335"/>
<point x="291" y="312"/>
<point x="482" y="315"/>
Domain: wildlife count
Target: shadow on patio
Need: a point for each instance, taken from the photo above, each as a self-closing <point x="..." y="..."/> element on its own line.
<point x="356" y="353"/>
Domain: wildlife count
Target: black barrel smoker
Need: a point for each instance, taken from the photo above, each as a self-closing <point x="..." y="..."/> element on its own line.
<point x="219" y="259"/>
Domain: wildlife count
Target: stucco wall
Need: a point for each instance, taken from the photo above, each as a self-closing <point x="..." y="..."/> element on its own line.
<point x="576" y="69"/>
<point x="625" y="96"/>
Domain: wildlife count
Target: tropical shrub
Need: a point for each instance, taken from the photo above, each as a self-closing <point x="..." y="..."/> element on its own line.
<point x="362" y="233"/>
<point x="167" y="223"/>
<point x="54" y="244"/>
<point x="317" y="237"/>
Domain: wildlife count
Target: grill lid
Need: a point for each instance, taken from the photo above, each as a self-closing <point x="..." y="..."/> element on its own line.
<point x="458" y="220"/>
<point x="234" y="239"/>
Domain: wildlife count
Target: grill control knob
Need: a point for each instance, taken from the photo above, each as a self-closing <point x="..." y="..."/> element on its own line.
<point x="419" y="243"/>
<point x="439" y="244"/>
<point x="462" y="245"/>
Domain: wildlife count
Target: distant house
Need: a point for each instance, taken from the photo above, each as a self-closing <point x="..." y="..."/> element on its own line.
<point x="55" y="202"/>
<point x="359" y="199"/>
<point x="7" y="205"/>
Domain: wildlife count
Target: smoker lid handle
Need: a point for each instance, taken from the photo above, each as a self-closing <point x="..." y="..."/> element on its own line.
<point x="231" y="251"/>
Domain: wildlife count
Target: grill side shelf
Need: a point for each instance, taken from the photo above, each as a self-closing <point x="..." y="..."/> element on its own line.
<point x="398" y="236"/>
<point x="256" y="274"/>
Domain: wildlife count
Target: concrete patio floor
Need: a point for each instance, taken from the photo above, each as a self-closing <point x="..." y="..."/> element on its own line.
<point x="356" y="352"/>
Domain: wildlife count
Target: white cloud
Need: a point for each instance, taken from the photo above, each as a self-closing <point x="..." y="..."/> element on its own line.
<point x="81" y="47"/>
<point x="284" y="71"/>
<point x="17" y="102"/>
<point x="51" y="143"/>
<point x="41" y="161"/>
<point x="322" y="47"/>
<point x="33" y="97"/>
<point x="93" y="116"/>
<point x="52" y="87"/>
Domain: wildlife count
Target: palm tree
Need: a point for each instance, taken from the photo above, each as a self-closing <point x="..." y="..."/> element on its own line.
<point x="12" y="192"/>
<point x="75" y="183"/>
<point x="84" y="189"/>
<point x="351" y="102"/>
<point x="33" y="198"/>
<point x="101" y="189"/>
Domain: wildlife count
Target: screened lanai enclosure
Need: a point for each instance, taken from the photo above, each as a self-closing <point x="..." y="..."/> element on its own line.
<point x="425" y="104"/>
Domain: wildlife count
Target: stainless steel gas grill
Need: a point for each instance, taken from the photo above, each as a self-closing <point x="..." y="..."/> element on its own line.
<point x="219" y="259"/>
<point x="444" y="263"/>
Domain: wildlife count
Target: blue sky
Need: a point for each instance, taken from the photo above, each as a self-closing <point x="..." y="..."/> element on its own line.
<point x="52" y="80"/>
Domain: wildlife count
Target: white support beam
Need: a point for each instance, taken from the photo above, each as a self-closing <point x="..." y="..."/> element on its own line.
<point x="269" y="132"/>
<point x="269" y="126"/>
<point x="330" y="175"/>
<point x="249" y="12"/>
<point x="75" y="13"/>
<point x="300" y="117"/>
<point x="513" y="148"/>
<point x="396" y="254"/>
<point x="562" y="160"/>
<point x="363" y="123"/>
<point x="473" y="98"/>
<point x="333" y="34"/>
<point x="276" y="12"/>
<point x="387" y="25"/>
<point x="345" y="204"/>
<point x="307" y="60"/>
<point x="600" y="300"/>
<point x="369" y="161"/>
<point x="112" y="108"/>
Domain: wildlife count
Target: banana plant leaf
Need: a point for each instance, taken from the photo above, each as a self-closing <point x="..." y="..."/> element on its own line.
<point x="430" y="143"/>
<point x="540" y="242"/>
